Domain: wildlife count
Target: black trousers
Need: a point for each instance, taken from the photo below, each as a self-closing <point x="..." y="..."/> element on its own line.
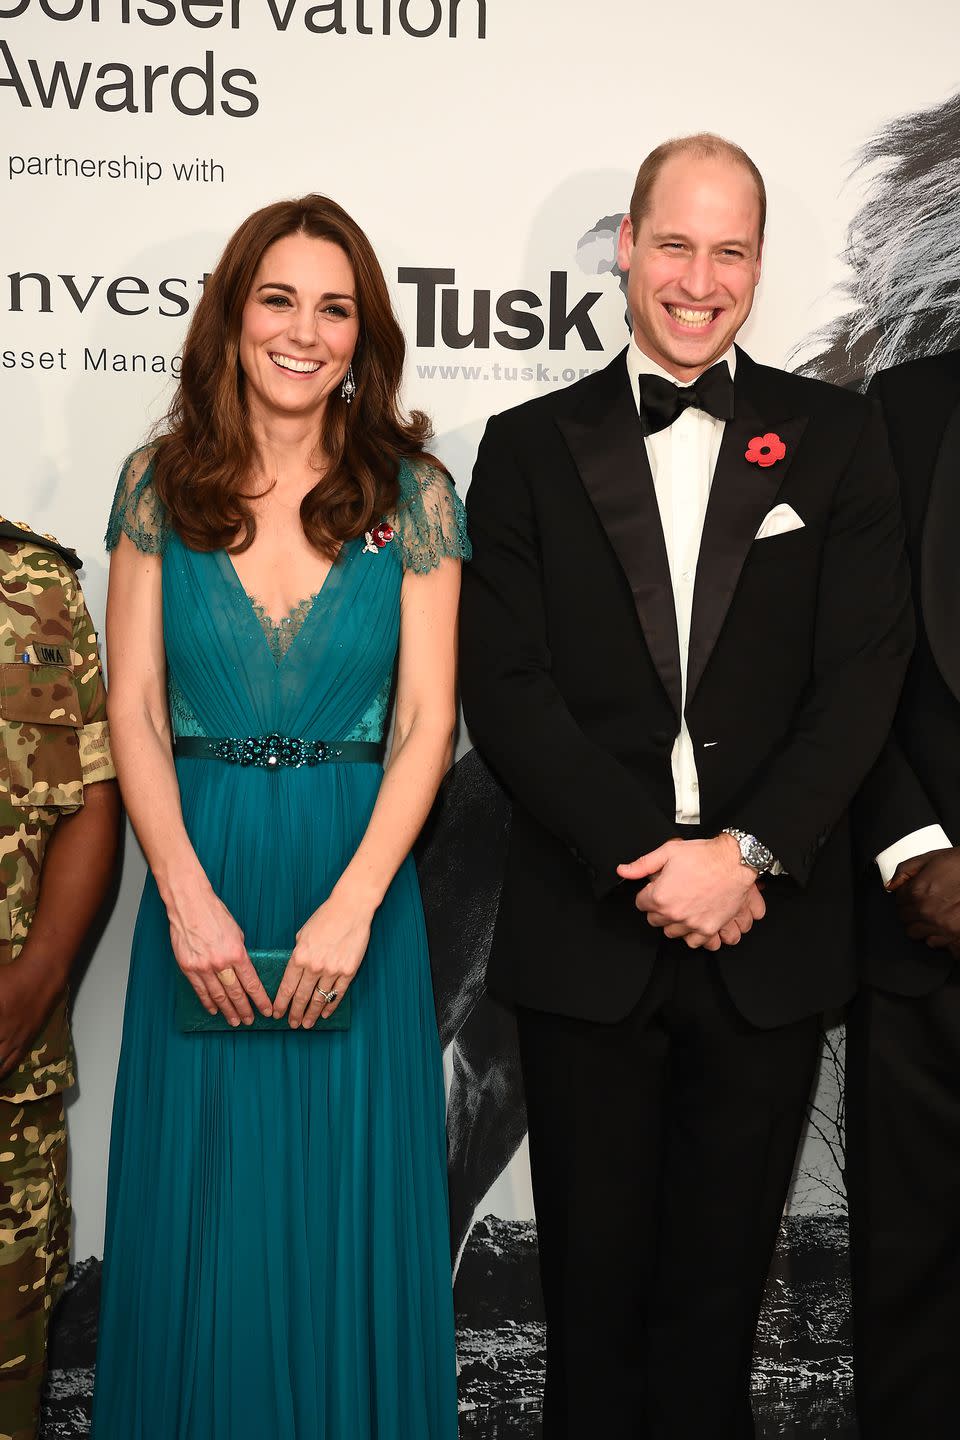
<point x="903" y="1177"/>
<point x="661" y="1153"/>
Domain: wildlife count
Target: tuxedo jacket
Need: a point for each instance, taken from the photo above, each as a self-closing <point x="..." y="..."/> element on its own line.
<point x="916" y="782"/>
<point x="571" y="680"/>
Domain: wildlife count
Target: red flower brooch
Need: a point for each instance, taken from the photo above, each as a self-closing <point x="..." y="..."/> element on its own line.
<point x="376" y="538"/>
<point x="765" y="450"/>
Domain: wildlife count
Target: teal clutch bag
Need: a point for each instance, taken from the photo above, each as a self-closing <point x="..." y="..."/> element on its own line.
<point x="192" y="1019"/>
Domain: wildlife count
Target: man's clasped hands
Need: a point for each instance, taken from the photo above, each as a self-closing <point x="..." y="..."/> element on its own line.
<point x="698" y="890"/>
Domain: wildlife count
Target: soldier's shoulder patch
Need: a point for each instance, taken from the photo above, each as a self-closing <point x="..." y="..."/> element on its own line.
<point x="20" y="531"/>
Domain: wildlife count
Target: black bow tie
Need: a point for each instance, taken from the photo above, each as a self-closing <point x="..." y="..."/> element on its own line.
<point x="662" y="402"/>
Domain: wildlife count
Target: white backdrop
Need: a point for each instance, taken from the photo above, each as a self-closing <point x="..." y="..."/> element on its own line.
<point x="486" y="150"/>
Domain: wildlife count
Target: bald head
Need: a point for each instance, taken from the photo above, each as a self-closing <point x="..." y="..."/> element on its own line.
<point x="703" y="146"/>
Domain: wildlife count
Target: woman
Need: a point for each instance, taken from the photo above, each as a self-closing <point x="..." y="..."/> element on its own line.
<point x="277" y="1259"/>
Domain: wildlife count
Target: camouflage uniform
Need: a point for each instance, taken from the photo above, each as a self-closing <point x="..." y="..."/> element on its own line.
<point x="53" y="742"/>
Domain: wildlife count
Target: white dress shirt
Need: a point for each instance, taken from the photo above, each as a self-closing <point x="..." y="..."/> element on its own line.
<point x="918" y="842"/>
<point x="682" y="460"/>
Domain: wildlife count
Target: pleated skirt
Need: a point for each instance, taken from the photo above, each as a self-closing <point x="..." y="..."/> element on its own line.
<point x="277" y="1256"/>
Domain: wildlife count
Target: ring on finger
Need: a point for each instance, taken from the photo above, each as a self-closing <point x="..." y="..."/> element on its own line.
<point x="327" y="996"/>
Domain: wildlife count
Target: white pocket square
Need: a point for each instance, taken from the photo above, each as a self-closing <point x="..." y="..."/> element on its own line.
<point x="780" y="520"/>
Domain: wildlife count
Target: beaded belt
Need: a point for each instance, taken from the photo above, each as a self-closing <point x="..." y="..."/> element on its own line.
<point x="270" y="752"/>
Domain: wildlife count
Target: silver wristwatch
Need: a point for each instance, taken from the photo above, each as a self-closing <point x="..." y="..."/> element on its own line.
<point x="752" y="852"/>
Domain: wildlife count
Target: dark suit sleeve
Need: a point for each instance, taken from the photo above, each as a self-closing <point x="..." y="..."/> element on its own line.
<point x="891" y="804"/>
<point x="519" y="720"/>
<point x="863" y="639"/>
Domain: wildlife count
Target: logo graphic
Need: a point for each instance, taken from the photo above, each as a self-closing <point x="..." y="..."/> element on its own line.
<point x="461" y="319"/>
<point x="597" y="253"/>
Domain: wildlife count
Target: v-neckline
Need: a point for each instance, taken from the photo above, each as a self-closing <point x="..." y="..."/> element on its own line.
<point x="229" y="570"/>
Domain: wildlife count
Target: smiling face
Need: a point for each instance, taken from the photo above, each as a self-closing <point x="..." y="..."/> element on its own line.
<point x="299" y="328"/>
<point x="694" y="262"/>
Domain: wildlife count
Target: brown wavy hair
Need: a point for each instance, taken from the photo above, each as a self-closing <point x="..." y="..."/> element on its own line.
<point x="205" y="449"/>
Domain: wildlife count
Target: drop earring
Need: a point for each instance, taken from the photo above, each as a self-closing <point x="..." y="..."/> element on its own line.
<point x="349" y="387"/>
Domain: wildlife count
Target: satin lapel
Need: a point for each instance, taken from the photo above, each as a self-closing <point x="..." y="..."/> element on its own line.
<point x="939" y="571"/>
<point x="740" y="496"/>
<point x="607" y="446"/>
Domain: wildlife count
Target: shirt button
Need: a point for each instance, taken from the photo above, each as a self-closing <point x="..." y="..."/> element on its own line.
<point x="695" y="785"/>
<point x="687" y="576"/>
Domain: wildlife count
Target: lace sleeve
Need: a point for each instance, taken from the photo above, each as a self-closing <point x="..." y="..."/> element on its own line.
<point x="137" y="512"/>
<point x="430" y="522"/>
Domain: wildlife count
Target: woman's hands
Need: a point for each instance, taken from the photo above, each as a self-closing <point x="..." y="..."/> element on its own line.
<point x="208" y="946"/>
<point x="329" y="951"/>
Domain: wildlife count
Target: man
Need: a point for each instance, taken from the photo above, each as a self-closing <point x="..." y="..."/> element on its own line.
<point x="59" y="814"/>
<point x="903" y="1031"/>
<point x="682" y="619"/>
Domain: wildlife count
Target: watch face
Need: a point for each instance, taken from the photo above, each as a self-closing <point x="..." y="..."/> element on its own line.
<point x="756" y="854"/>
<point x="751" y="851"/>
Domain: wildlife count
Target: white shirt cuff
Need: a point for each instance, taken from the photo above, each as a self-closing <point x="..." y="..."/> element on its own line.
<point x="918" y="842"/>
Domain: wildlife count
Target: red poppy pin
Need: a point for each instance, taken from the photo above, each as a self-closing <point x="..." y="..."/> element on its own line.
<point x="376" y="538"/>
<point x="765" y="450"/>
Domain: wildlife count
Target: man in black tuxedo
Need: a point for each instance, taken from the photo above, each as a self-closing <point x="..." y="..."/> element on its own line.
<point x="903" y="1031"/>
<point x="688" y="613"/>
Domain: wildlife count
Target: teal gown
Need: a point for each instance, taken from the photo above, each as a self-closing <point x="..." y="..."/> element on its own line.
<point x="277" y="1258"/>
